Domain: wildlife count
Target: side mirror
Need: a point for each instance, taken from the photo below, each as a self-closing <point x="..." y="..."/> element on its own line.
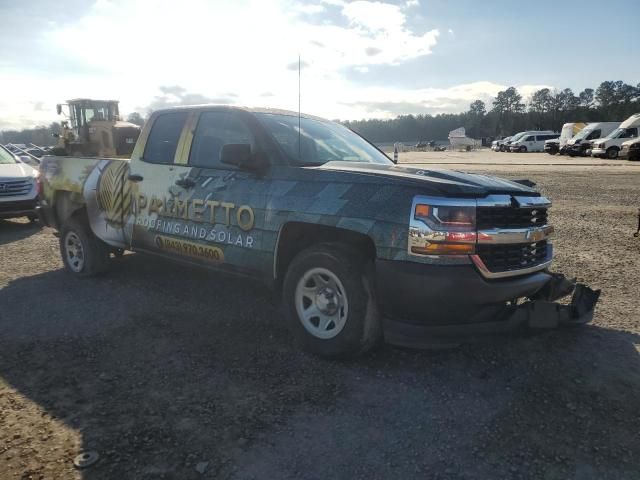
<point x="239" y="154"/>
<point x="59" y="109"/>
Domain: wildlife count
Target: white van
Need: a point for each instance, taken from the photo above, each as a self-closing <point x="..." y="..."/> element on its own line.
<point x="559" y="145"/>
<point x="610" y="145"/>
<point x="516" y="137"/>
<point x="532" y="142"/>
<point x="581" y="143"/>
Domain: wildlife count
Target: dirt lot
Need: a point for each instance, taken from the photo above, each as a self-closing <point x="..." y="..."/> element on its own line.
<point x="162" y="369"/>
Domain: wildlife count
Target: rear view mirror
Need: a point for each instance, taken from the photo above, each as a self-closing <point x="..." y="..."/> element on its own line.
<point x="239" y="154"/>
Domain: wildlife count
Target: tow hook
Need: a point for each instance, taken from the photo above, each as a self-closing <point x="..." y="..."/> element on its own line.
<point x="542" y="312"/>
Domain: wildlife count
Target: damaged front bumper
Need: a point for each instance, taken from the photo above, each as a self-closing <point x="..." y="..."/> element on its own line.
<point x="543" y="312"/>
<point x="471" y="313"/>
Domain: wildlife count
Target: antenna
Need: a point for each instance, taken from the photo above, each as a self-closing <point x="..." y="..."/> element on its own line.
<point x="299" y="95"/>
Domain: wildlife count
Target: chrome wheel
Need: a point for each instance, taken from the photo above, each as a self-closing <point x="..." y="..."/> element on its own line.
<point x="74" y="251"/>
<point x="321" y="303"/>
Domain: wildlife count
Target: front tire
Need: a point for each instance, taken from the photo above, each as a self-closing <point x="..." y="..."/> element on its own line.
<point x="83" y="254"/>
<point x="523" y="149"/>
<point x="330" y="304"/>
<point x="612" y="153"/>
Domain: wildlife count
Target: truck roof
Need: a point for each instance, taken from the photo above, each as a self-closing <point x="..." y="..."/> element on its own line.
<point x="632" y="121"/>
<point x="275" y="111"/>
<point x="92" y="100"/>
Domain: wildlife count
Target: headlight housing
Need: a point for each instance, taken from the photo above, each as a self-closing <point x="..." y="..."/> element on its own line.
<point x="446" y="217"/>
<point x="441" y="227"/>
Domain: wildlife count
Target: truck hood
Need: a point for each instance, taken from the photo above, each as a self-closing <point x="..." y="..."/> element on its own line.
<point x="441" y="181"/>
<point x="16" y="170"/>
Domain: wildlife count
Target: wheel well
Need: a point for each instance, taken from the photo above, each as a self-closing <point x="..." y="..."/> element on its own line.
<point x="67" y="205"/>
<point x="297" y="236"/>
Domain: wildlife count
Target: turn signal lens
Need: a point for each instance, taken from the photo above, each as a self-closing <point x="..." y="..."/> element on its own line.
<point x="444" y="249"/>
<point x="422" y="211"/>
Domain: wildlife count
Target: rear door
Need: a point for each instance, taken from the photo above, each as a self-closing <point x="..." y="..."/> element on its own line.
<point x="155" y="175"/>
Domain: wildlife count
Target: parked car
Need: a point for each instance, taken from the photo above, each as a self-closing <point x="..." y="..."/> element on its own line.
<point x="559" y="145"/>
<point x="532" y="142"/>
<point x="18" y="187"/>
<point x="498" y="145"/>
<point x="630" y="150"/>
<point x="580" y="144"/>
<point x="610" y="145"/>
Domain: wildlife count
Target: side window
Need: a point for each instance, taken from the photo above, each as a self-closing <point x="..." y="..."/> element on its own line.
<point x="594" y="134"/>
<point x="214" y="130"/>
<point x="530" y="138"/>
<point x="631" y="133"/>
<point x="163" y="140"/>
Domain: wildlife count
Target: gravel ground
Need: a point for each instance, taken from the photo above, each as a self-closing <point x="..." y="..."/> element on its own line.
<point x="169" y="372"/>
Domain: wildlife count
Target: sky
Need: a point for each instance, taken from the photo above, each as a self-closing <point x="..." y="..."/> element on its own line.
<point x="359" y="59"/>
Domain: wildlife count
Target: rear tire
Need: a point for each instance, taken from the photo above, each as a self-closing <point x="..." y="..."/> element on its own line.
<point x="83" y="254"/>
<point x="330" y="304"/>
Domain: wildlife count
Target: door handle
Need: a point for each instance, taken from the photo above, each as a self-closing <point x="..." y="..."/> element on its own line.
<point x="134" y="177"/>
<point x="185" y="183"/>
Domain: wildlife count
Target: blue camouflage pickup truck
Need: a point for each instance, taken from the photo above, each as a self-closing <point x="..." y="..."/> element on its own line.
<point x="360" y="248"/>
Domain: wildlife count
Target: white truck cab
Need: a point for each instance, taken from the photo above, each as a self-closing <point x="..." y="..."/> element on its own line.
<point x="532" y="141"/>
<point x="559" y="145"/>
<point x="610" y="145"/>
<point x="580" y="144"/>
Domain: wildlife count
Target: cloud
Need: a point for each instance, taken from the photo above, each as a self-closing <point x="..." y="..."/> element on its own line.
<point x="386" y="102"/>
<point x="205" y="46"/>
<point x="227" y="51"/>
<point x="175" y="95"/>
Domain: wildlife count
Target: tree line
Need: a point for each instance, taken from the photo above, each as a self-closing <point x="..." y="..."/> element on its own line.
<point x="509" y="113"/>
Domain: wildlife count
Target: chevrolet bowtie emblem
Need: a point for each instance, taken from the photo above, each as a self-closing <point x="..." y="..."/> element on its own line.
<point x="535" y="235"/>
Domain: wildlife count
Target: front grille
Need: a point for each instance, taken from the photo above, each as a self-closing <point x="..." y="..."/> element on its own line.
<point x="10" y="188"/>
<point x="503" y="258"/>
<point x="510" y="217"/>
